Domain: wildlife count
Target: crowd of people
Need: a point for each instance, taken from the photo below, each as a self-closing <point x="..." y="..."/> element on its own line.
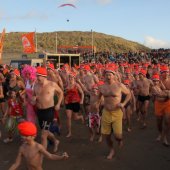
<point x="154" y="56"/>
<point x="102" y="95"/>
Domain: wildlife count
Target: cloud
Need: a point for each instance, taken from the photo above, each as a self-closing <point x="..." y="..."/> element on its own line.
<point x="72" y="1"/>
<point x="152" y="42"/>
<point x="104" y="2"/>
<point x="29" y="15"/>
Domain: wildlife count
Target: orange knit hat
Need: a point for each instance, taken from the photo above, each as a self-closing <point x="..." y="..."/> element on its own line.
<point x="27" y="129"/>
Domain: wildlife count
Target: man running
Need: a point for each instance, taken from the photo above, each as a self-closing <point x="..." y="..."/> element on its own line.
<point x="44" y="92"/>
<point x="112" y="113"/>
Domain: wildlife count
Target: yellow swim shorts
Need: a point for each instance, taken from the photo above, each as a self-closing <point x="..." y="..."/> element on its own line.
<point x="111" y="120"/>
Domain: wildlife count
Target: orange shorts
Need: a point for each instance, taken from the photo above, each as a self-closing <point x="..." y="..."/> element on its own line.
<point x="162" y="108"/>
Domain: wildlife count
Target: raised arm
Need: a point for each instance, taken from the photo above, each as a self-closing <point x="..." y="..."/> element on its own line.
<point x="52" y="156"/>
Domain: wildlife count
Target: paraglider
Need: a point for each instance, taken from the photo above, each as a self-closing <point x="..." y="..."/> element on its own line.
<point x="63" y="5"/>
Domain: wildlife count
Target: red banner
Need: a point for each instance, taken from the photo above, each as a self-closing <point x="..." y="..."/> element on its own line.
<point x="2" y="40"/>
<point x="28" y="42"/>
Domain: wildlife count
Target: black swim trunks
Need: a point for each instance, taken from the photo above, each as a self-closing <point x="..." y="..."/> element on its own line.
<point x="45" y="117"/>
<point x="2" y="100"/>
<point x="75" y="107"/>
<point x="143" y="98"/>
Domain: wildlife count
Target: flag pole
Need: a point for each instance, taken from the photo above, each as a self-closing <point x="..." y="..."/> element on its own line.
<point x="56" y="41"/>
<point x="1" y="44"/>
<point x="92" y="41"/>
<point x="35" y="41"/>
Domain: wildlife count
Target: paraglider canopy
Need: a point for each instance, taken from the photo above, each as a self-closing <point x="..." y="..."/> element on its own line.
<point x="63" y="5"/>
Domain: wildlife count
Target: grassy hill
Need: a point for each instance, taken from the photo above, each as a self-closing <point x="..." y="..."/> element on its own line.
<point x="47" y="41"/>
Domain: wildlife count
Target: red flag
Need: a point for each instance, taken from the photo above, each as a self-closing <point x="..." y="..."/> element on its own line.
<point x="2" y="40"/>
<point x="28" y="42"/>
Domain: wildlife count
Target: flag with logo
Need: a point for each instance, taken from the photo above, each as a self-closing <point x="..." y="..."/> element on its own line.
<point x="28" y="42"/>
<point x="2" y="40"/>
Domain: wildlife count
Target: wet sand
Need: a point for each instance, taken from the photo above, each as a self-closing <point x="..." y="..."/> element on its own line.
<point x="140" y="150"/>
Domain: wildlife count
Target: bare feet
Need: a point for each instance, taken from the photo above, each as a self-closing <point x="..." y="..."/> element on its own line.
<point x="159" y="138"/>
<point x="56" y="143"/>
<point x="100" y="139"/>
<point x="111" y="154"/>
<point x="129" y="129"/>
<point x="143" y="126"/>
<point x="8" y="140"/>
<point x="68" y="135"/>
<point x="138" y="119"/>
<point x="165" y="142"/>
<point x="91" y="138"/>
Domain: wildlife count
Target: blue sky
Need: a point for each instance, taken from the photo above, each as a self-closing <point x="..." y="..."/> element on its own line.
<point x="143" y="21"/>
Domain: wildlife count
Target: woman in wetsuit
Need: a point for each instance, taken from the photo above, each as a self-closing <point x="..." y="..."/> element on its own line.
<point x="74" y="96"/>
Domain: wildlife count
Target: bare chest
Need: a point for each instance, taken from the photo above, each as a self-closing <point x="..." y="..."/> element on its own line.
<point x="31" y="153"/>
<point x="110" y="91"/>
<point x="88" y="79"/>
<point x="42" y="91"/>
<point x="167" y="84"/>
<point x="143" y="84"/>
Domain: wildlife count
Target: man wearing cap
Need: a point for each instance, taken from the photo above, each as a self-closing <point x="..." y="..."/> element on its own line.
<point x="64" y="74"/>
<point x="112" y="113"/>
<point x="89" y="80"/>
<point x="53" y="75"/>
<point x="165" y="79"/>
<point x="143" y="87"/>
<point x="162" y="108"/>
<point x="44" y="92"/>
<point x="32" y="151"/>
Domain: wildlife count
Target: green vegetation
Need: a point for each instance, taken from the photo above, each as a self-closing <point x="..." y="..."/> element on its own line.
<point x="47" y="41"/>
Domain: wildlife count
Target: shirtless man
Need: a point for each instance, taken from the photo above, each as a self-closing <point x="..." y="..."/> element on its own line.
<point x="44" y="92"/>
<point x="54" y="76"/>
<point x="166" y="82"/>
<point x="80" y="75"/>
<point x="162" y="108"/>
<point x="135" y="92"/>
<point x="112" y="113"/>
<point x="89" y="80"/>
<point x="165" y="77"/>
<point x="64" y="73"/>
<point x="32" y="151"/>
<point x="143" y="87"/>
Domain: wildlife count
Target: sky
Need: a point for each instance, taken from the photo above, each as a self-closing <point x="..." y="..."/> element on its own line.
<point x="143" y="21"/>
